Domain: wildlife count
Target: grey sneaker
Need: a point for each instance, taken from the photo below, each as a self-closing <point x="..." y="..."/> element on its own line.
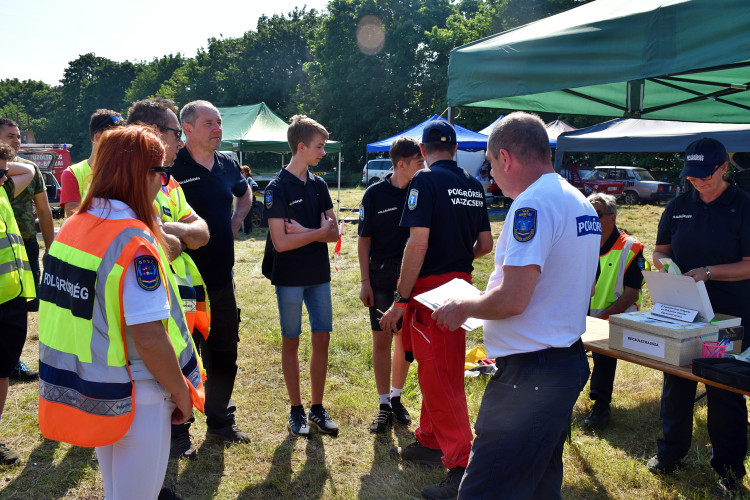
<point x="181" y="447"/>
<point x="418" y="454"/>
<point x="320" y="420"/>
<point x="662" y="464"/>
<point x="230" y="433"/>
<point x="297" y="424"/>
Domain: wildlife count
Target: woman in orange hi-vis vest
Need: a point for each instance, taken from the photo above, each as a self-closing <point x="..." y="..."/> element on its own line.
<point x="117" y="362"/>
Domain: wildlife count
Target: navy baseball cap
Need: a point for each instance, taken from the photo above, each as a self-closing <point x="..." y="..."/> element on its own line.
<point x="445" y="132"/>
<point x="702" y="157"/>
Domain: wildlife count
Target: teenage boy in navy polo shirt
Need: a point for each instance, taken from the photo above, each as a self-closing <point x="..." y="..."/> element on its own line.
<point x="380" y="247"/>
<point x="301" y="223"/>
<point x="448" y="228"/>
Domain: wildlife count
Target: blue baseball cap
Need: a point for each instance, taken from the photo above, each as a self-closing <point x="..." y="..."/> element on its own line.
<point x="702" y="157"/>
<point x="438" y="131"/>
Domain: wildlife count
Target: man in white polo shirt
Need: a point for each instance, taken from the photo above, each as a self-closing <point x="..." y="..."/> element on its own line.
<point x="535" y="312"/>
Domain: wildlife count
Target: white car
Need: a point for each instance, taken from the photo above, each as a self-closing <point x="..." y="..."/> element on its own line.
<point x="375" y="170"/>
<point x="640" y="185"/>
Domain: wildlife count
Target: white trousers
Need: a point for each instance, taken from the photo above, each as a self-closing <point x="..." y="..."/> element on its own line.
<point x="134" y="467"/>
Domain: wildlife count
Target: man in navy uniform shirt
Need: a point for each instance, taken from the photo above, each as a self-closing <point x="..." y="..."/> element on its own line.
<point x="380" y="247"/>
<point x="448" y="228"/>
<point x="211" y="181"/>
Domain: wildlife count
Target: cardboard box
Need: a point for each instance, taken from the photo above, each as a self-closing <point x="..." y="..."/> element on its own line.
<point x="674" y="340"/>
<point x="675" y="344"/>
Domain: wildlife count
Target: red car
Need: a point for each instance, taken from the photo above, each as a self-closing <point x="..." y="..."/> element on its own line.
<point x="590" y="180"/>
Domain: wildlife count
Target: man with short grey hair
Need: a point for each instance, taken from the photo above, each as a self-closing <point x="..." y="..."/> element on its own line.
<point x="535" y="312"/>
<point x="618" y="290"/>
<point x="211" y="181"/>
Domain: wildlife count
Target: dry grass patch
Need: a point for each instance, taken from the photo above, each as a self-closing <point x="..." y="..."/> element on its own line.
<point x="606" y="464"/>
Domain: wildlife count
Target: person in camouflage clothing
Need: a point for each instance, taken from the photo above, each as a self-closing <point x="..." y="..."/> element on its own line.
<point x="34" y="195"/>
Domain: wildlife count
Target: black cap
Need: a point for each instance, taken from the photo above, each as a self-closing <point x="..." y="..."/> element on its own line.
<point x="438" y="131"/>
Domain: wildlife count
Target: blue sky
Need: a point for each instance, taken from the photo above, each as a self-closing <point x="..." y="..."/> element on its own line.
<point x="42" y="36"/>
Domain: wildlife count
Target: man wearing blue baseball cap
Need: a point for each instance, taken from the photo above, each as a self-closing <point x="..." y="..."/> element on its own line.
<point x="448" y="228"/>
<point x="706" y="232"/>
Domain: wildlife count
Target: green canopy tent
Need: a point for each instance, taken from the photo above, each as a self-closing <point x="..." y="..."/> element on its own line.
<point x="659" y="59"/>
<point x="255" y="128"/>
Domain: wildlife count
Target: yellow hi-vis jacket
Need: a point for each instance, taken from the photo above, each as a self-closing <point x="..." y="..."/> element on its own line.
<point x="609" y="286"/>
<point x="16" y="279"/>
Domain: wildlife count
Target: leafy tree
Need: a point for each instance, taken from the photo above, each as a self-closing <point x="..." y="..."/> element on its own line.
<point x="151" y="76"/>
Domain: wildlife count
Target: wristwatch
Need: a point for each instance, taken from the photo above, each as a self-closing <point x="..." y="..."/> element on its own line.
<point x="398" y="299"/>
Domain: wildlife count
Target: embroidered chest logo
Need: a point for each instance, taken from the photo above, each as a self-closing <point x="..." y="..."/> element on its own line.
<point x="147" y="272"/>
<point x="524" y="224"/>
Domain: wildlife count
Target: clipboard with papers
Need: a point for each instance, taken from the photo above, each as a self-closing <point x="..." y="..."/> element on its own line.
<point x="454" y="289"/>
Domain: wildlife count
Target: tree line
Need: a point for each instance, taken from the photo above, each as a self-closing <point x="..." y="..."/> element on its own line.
<point x="361" y="88"/>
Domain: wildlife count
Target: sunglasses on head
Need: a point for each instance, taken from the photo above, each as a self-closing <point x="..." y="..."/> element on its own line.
<point x="110" y="120"/>
<point x="165" y="172"/>
<point x="177" y="131"/>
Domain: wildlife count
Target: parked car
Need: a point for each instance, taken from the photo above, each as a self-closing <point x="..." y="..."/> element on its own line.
<point x="45" y="159"/>
<point x="589" y="180"/>
<point x="640" y="185"/>
<point x="254" y="217"/>
<point x="375" y="170"/>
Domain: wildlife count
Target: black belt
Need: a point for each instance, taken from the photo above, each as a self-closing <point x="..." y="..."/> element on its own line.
<point x="550" y="354"/>
<point x="380" y="262"/>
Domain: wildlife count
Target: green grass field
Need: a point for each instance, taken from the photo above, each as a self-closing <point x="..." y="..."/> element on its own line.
<point x="606" y="464"/>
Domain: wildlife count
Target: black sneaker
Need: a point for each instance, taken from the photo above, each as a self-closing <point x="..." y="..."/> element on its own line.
<point x="23" y="373"/>
<point x="447" y="489"/>
<point x="400" y="413"/>
<point x="418" y="454"/>
<point x="382" y="420"/>
<point x="8" y="456"/>
<point x="729" y="488"/>
<point x="599" y="416"/>
<point x="321" y="421"/>
<point x="181" y="447"/>
<point x="230" y="433"/>
<point x="167" y="494"/>
<point x="662" y="464"/>
<point x="297" y="424"/>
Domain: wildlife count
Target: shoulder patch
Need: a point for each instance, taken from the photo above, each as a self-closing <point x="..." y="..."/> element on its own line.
<point x="411" y="202"/>
<point x="268" y="198"/>
<point x="361" y="213"/>
<point x="524" y="224"/>
<point x="147" y="272"/>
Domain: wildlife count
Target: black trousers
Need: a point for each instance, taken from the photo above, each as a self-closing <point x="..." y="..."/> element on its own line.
<point x="219" y="355"/>
<point x="602" y="378"/>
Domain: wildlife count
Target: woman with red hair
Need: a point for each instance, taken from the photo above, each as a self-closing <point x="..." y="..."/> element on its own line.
<point x="117" y="364"/>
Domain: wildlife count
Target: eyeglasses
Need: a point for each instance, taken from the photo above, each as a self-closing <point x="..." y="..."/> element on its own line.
<point x="165" y="172"/>
<point x="110" y="119"/>
<point x="706" y="179"/>
<point x="601" y="214"/>
<point x="177" y="131"/>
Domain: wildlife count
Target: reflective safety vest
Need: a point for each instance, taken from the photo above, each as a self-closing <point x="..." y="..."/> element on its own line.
<point x="609" y="286"/>
<point x="16" y="279"/>
<point x="85" y="387"/>
<point x="170" y="205"/>
<point x="82" y="172"/>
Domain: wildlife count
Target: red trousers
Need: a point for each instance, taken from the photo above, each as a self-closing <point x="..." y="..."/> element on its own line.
<point x="444" y="420"/>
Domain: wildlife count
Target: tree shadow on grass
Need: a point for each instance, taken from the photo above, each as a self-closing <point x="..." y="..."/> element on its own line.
<point x="282" y="482"/>
<point x="42" y="478"/>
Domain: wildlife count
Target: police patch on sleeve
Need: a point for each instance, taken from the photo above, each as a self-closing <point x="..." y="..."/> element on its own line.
<point x="524" y="224"/>
<point x="147" y="272"/>
<point x="361" y="213"/>
<point x="411" y="202"/>
<point x="269" y="198"/>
